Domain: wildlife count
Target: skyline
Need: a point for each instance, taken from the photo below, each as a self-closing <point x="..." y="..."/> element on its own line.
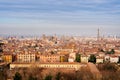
<point x="78" y="17"/>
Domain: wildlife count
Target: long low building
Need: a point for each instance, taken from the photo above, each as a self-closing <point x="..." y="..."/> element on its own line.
<point x="63" y="65"/>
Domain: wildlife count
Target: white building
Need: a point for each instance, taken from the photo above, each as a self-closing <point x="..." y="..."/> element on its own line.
<point x="114" y="59"/>
<point x="84" y="59"/>
<point x="99" y="59"/>
<point x="71" y="59"/>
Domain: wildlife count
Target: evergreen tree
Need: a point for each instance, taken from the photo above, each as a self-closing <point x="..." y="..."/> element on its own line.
<point x="48" y="77"/>
<point x="17" y="76"/>
<point x="92" y="58"/>
<point x="78" y="57"/>
<point x="58" y="75"/>
<point x="112" y="51"/>
<point x="32" y="78"/>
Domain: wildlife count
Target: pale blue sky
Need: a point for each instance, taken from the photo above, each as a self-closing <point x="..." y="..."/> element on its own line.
<point x="69" y="17"/>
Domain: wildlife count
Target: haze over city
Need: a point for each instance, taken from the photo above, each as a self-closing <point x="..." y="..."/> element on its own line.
<point x="66" y="17"/>
<point x="59" y="39"/>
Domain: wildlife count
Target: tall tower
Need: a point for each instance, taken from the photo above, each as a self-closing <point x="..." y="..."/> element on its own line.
<point x="98" y="34"/>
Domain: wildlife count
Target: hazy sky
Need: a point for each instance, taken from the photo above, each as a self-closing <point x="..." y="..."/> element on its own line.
<point x="69" y="17"/>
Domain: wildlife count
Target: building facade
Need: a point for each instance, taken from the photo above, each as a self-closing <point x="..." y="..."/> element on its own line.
<point x="7" y="58"/>
<point x="99" y="59"/>
<point x="114" y="59"/>
<point x="23" y="57"/>
<point x="84" y="59"/>
<point x="74" y="66"/>
<point x="51" y="58"/>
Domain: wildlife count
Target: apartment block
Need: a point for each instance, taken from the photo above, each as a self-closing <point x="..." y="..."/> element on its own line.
<point x="26" y="57"/>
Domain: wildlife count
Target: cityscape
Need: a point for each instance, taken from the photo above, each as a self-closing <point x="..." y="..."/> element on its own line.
<point x="60" y="40"/>
<point x="65" y="53"/>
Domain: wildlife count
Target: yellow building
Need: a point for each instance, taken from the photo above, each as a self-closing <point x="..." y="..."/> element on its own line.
<point x="62" y="58"/>
<point x="7" y="58"/>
